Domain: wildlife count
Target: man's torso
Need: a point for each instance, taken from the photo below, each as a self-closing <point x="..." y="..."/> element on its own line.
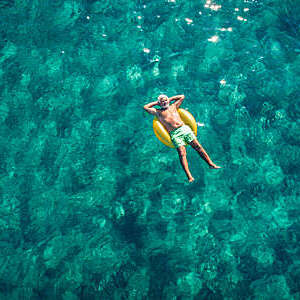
<point x="170" y="118"/>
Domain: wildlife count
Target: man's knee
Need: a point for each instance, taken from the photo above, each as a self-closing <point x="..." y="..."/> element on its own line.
<point x="181" y="151"/>
<point x="195" y="144"/>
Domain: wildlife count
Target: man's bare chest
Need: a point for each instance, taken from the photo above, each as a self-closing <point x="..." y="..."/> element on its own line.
<point x="168" y="114"/>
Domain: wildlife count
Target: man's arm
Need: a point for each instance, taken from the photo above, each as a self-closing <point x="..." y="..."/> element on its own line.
<point x="150" y="109"/>
<point x="178" y="100"/>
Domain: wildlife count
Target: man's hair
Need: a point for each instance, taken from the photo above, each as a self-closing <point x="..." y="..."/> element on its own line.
<point x="161" y="97"/>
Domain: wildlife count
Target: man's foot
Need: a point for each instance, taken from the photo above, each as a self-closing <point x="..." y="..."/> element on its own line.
<point x="213" y="166"/>
<point x="191" y="179"/>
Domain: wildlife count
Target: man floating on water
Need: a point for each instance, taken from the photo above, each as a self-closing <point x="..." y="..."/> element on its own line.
<point x="180" y="133"/>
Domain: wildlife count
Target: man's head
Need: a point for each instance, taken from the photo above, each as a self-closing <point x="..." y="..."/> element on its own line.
<point x="163" y="101"/>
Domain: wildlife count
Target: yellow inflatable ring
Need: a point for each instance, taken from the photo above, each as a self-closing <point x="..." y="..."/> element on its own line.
<point x="163" y="135"/>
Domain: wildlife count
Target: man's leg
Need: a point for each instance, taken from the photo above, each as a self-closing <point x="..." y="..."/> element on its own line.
<point x="197" y="146"/>
<point x="182" y="156"/>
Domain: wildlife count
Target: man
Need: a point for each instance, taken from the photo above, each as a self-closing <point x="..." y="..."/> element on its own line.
<point x="180" y="133"/>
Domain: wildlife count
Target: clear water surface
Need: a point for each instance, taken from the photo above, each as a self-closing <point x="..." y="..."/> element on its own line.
<point x="93" y="206"/>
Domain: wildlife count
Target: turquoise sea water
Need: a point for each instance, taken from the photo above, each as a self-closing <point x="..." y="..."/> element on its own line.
<point x="93" y="206"/>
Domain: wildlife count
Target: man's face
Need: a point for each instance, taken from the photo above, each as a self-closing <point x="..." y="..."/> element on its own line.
<point x="164" y="102"/>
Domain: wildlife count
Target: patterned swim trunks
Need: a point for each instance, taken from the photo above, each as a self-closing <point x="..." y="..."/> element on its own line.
<point x="182" y="136"/>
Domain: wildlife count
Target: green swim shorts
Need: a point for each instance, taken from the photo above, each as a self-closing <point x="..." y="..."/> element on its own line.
<point x="182" y="136"/>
